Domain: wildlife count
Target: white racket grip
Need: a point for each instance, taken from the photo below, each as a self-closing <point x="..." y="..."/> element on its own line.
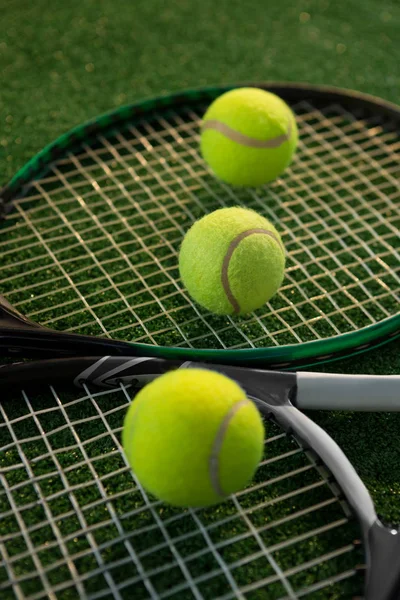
<point x="331" y="391"/>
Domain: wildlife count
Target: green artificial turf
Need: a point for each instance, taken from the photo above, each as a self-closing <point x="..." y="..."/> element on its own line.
<point x="64" y="63"/>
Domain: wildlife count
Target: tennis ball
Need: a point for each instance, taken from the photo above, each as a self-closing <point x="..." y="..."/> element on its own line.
<point x="192" y="437"/>
<point x="248" y="136"/>
<point x="232" y="261"/>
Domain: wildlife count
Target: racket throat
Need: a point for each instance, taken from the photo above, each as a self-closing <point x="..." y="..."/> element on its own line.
<point x="19" y="336"/>
<point x="11" y="318"/>
<point x="48" y="344"/>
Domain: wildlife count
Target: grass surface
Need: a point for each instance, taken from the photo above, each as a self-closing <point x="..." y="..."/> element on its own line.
<point x="62" y="66"/>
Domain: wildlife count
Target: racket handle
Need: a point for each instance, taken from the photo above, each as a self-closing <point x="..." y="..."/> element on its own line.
<point x="329" y="391"/>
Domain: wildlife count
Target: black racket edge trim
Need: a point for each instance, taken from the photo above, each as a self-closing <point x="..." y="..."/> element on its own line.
<point x="109" y="121"/>
<point x="39" y="342"/>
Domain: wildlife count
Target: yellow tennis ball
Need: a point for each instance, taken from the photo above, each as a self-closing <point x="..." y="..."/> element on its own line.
<point x="232" y="261"/>
<point x="192" y="437"/>
<point x="248" y="136"/>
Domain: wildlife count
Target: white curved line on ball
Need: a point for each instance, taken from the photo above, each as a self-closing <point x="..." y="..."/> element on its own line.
<point x="214" y="464"/>
<point x="225" y="264"/>
<point x="245" y="140"/>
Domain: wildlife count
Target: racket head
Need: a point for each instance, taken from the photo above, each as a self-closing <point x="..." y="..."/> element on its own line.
<point x="79" y="522"/>
<point x="118" y="194"/>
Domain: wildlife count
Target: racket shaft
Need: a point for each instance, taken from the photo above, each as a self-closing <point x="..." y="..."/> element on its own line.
<point x="332" y="391"/>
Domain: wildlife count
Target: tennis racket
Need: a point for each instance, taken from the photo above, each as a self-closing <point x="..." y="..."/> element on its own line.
<point x="78" y="523"/>
<point x="94" y="223"/>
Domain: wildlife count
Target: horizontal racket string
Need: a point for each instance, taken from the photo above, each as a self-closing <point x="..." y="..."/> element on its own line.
<point x="78" y="522"/>
<point x="94" y="247"/>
